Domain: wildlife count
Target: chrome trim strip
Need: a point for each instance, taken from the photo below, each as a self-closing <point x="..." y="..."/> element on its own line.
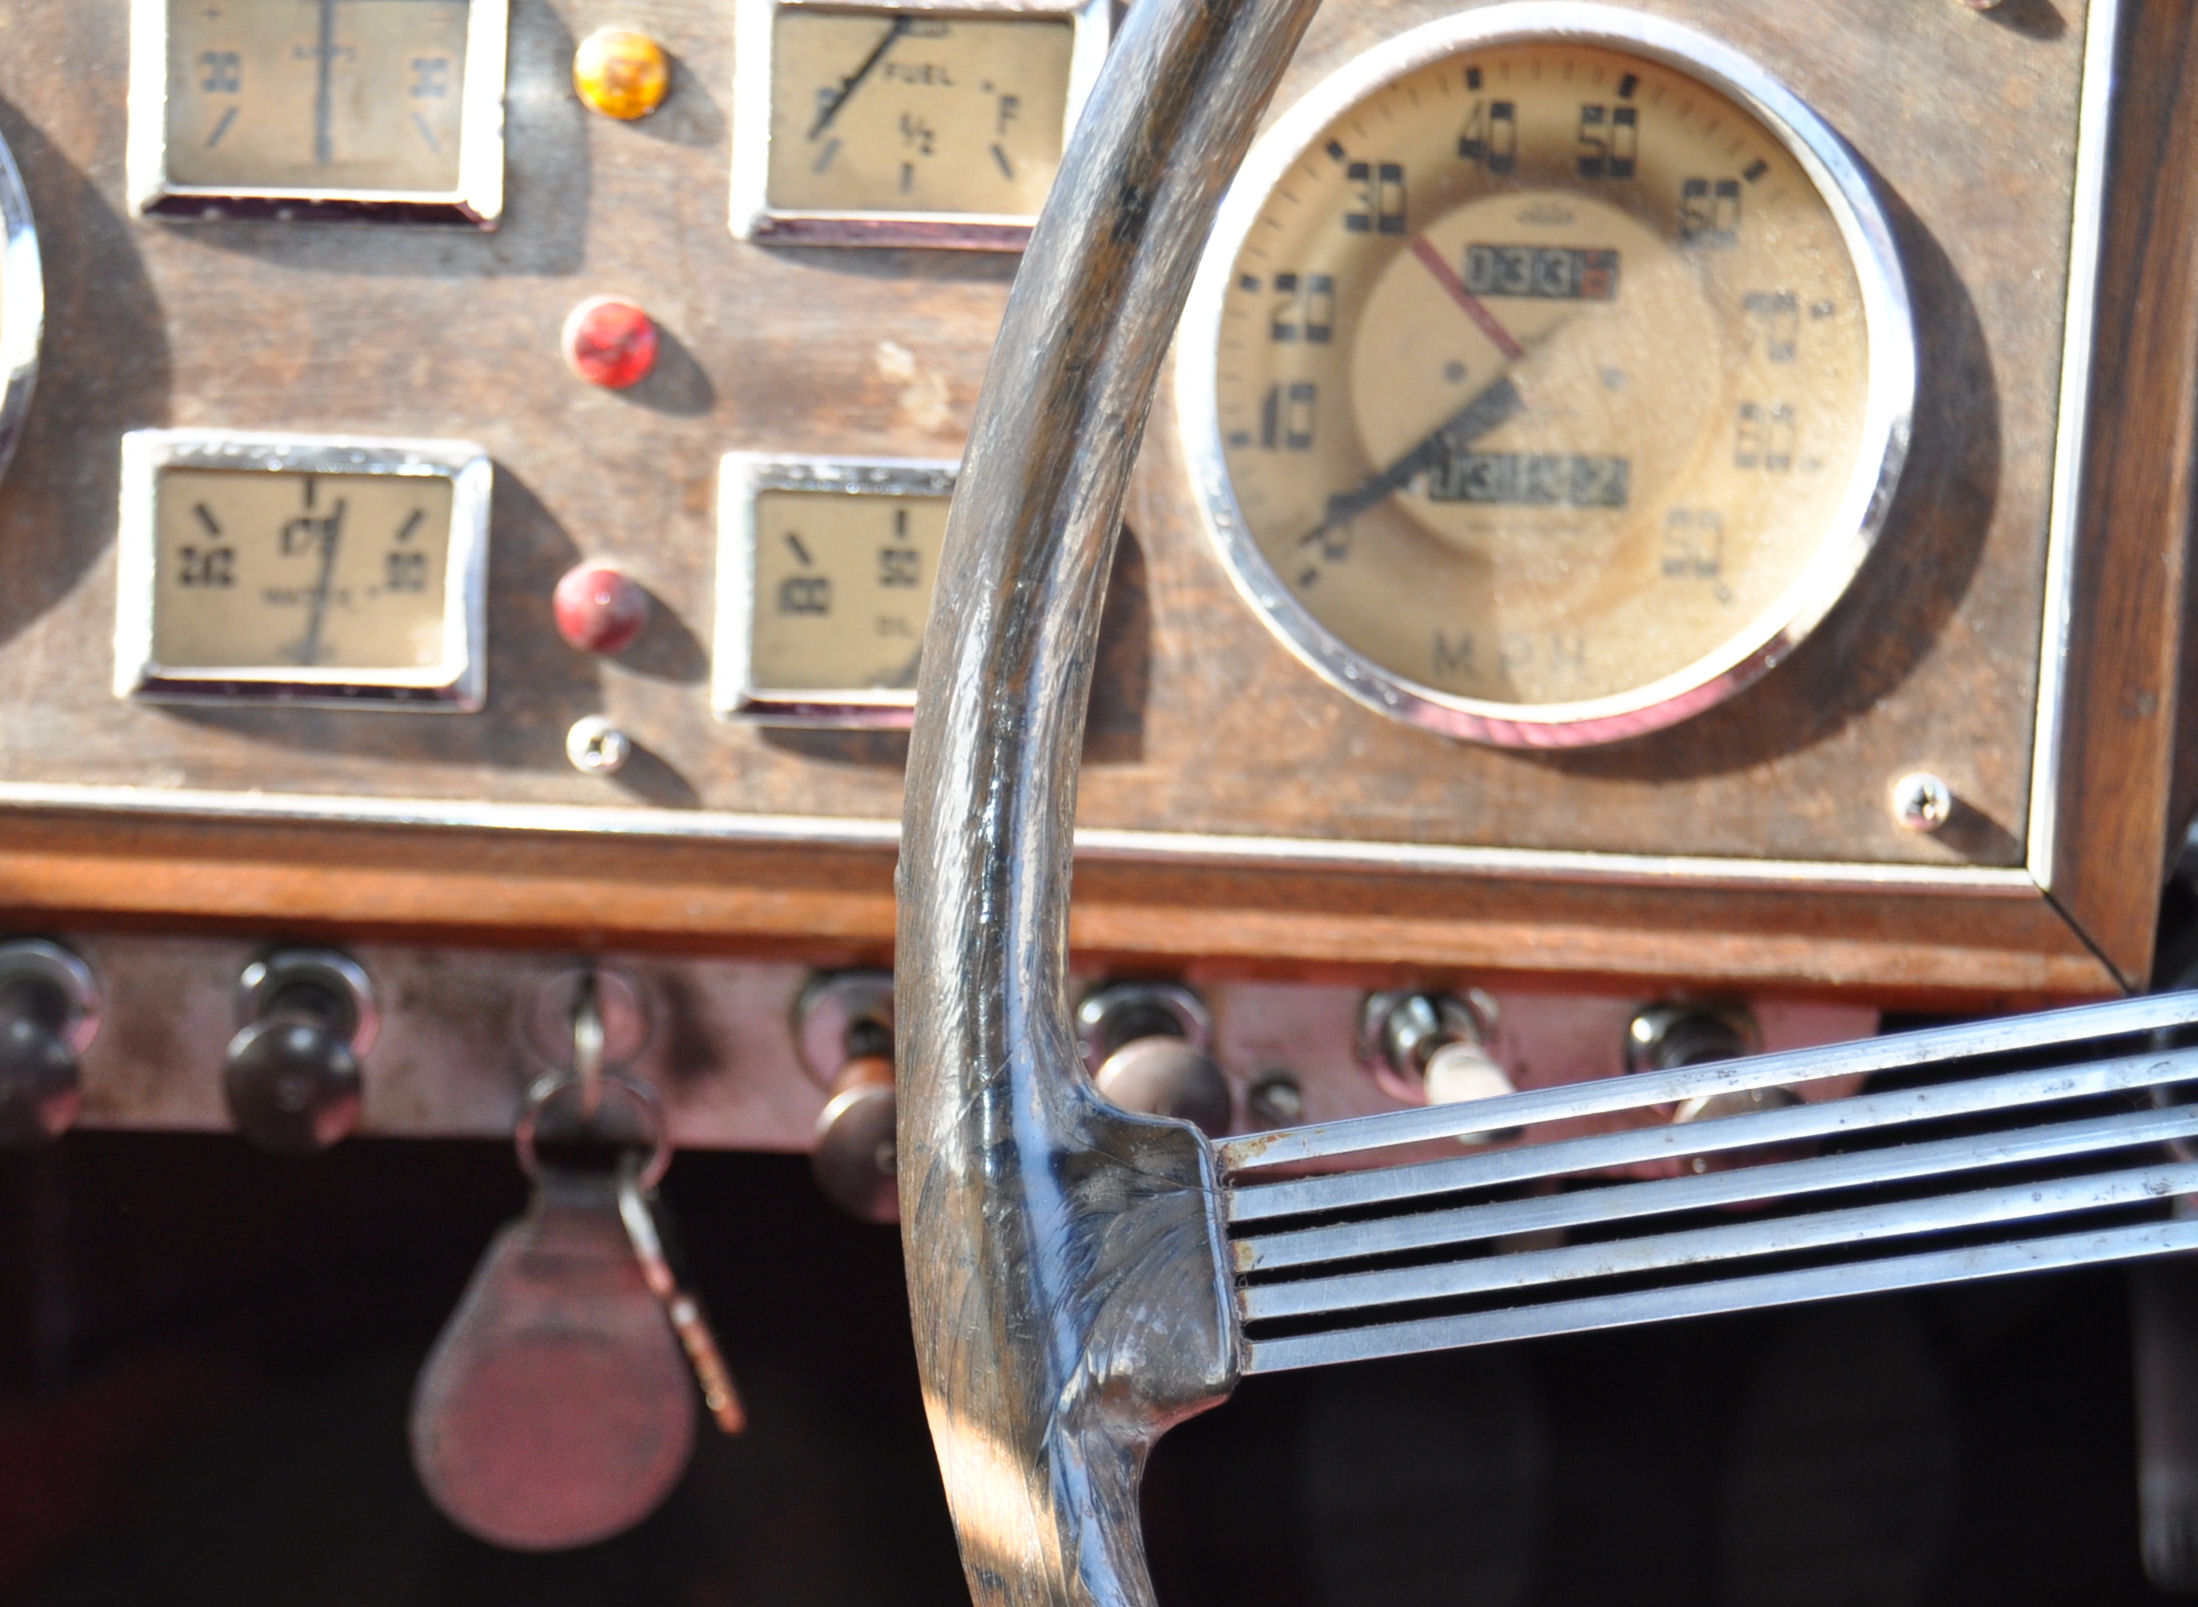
<point x="1849" y="535"/>
<point x="740" y="477"/>
<point x="1117" y="846"/>
<point x="2087" y="243"/>
<point x="478" y="197"/>
<point x="1725" y="1295"/>
<point x="458" y="684"/>
<point x="751" y="215"/>
<point x="1866" y="1056"/>
<point x="22" y="305"/>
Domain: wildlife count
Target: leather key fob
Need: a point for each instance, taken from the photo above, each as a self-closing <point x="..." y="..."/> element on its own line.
<point x="556" y="1408"/>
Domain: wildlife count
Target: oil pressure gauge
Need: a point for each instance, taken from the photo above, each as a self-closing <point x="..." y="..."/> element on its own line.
<point x="1548" y="375"/>
<point x="825" y="568"/>
<point x="297" y="569"/>
<point x="936" y="123"/>
<point x="318" y="108"/>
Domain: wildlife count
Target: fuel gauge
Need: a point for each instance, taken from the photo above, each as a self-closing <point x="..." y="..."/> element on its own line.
<point x="914" y="125"/>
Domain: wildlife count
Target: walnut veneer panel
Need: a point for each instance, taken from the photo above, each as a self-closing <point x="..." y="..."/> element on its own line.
<point x="1201" y="722"/>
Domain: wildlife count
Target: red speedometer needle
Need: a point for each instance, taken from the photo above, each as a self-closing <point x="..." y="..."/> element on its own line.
<point x="1475" y="308"/>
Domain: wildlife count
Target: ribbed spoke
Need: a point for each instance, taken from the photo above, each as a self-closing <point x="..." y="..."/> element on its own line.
<point x="1956" y="1265"/>
<point x="1792" y="1068"/>
<point x="1633" y="1146"/>
<point x="1349" y="1293"/>
<point x="1348" y="1241"/>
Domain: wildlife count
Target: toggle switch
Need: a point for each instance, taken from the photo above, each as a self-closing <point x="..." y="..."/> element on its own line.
<point x="49" y="1014"/>
<point x="1429" y="1047"/>
<point x="292" y="1076"/>
<point x="1145" y="1045"/>
<point x="843" y="1025"/>
<point x="1665" y="1037"/>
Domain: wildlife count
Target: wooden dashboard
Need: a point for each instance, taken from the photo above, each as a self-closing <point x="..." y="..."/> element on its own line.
<point x="2017" y="631"/>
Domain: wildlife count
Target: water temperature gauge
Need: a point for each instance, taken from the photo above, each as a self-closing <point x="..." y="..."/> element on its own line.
<point x="303" y="570"/>
<point x="825" y="568"/>
<point x="913" y="125"/>
<point x="318" y="108"/>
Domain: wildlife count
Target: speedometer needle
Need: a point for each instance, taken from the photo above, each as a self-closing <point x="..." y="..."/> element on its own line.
<point x="331" y="533"/>
<point x="1492" y="406"/>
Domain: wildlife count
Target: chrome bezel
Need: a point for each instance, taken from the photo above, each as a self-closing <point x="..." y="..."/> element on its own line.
<point x="457" y="684"/>
<point x="754" y="218"/>
<point x="741" y="477"/>
<point x="1849" y="535"/>
<point x="22" y="305"/>
<point x="477" y="198"/>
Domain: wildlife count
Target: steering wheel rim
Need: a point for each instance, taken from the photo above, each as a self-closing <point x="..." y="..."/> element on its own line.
<point x="1064" y="1259"/>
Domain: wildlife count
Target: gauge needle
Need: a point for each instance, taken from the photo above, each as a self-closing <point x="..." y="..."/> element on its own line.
<point x="331" y="532"/>
<point x="1475" y="308"/>
<point x="1491" y="406"/>
<point x="853" y="80"/>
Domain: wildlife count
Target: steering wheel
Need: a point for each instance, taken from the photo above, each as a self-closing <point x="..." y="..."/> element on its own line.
<point x="1081" y="1278"/>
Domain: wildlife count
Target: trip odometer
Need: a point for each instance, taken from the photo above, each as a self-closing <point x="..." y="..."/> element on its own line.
<point x="1548" y="375"/>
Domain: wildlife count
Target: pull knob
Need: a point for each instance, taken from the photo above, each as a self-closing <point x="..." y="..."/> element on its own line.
<point x="854" y="1159"/>
<point x="49" y="1014"/>
<point x="292" y="1076"/>
<point x="1164" y="1076"/>
<point x="1429" y="1047"/>
<point x="843" y="1026"/>
<point x="1145" y="1043"/>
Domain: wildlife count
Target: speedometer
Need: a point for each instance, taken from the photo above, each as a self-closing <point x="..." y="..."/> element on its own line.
<point x="22" y="304"/>
<point x="1548" y="375"/>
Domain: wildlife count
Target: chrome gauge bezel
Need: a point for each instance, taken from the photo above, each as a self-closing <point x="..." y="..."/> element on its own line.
<point x="1864" y="503"/>
<point x="458" y="684"/>
<point x="742" y="476"/>
<point x="22" y="304"/>
<point x="753" y="217"/>
<point x="477" y="198"/>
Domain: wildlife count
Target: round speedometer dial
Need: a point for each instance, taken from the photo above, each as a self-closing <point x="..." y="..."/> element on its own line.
<point x="1548" y="375"/>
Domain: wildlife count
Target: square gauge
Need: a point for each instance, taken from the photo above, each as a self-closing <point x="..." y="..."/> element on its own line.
<point x="318" y="108"/>
<point x="300" y="569"/>
<point x="824" y="576"/>
<point x="925" y="124"/>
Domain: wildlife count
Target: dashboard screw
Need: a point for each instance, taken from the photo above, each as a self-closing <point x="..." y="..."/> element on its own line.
<point x="1922" y="802"/>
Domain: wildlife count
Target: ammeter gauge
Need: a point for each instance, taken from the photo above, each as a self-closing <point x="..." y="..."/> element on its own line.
<point x="318" y="108"/>
<point x="932" y="124"/>
<point x="825" y="569"/>
<point x="300" y="569"/>
<point x="1548" y="375"/>
<point x="22" y="304"/>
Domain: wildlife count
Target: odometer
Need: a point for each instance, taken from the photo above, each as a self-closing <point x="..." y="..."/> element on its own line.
<point x="1548" y="375"/>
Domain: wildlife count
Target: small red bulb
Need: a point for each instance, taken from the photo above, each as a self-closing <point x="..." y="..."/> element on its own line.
<point x="599" y="609"/>
<point x="610" y="342"/>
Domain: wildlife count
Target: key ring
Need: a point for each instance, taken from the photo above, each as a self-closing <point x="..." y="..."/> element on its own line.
<point x="655" y="1131"/>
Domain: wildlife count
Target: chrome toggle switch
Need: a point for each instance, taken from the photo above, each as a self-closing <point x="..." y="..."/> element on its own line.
<point x="1432" y="1048"/>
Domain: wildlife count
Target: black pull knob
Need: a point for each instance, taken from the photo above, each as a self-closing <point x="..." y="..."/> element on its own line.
<point x="49" y="1012"/>
<point x="292" y="1077"/>
<point x="292" y="1084"/>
